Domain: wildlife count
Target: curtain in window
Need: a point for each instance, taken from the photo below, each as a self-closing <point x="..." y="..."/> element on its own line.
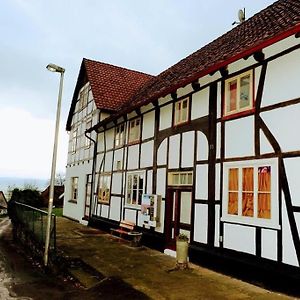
<point x="264" y="192"/>
<point x="232" y="95"/>
<point x="248" y="187"/>
<point x="233" y="184"/>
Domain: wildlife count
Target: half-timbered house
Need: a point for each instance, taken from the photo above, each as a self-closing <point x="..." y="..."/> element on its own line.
<point x="210" y="147"/>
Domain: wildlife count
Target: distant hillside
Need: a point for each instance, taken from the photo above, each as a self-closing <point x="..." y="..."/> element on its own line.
<point x="16" y="182"/>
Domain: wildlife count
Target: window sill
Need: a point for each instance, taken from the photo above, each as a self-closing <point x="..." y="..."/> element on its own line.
<point x="181" y="124"/>
<point x="72" y="201"/>
<point x="133" y="143"/>
<point x="238" y="114"/>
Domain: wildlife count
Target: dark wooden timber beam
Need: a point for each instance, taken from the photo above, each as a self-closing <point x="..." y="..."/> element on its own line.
<point x="224" y="71"/>
<point x="155" y="103"/>
<point x="174" y="95"/>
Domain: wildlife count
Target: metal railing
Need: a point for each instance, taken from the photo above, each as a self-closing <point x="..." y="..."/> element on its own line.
<point x="33" y="223"/>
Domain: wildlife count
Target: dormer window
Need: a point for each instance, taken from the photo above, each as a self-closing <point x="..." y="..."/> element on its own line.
<point x="238" y="94"/>
<point x="181" y="113"/>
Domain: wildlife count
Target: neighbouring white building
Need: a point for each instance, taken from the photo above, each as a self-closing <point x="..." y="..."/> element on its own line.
<point x="210" y="147"/>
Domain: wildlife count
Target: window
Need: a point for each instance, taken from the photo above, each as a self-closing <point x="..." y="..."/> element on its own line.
<point x="120" y="135"/>
<point x="104" y="188"/>
<point x="238" y="93"/>
<point x="88" y="141"/>
<point x="74" y="140"/>
<point x="83" y="97"/>
<point x="134" y="130"/>
<point x="74" y="189"/>
<point x="135" y="188"/>
<point x="181" y="111"/>
<point x="180" y="178"/>
<point x="251" y="192"/>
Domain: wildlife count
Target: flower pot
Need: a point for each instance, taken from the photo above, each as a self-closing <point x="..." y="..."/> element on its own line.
<point x="182" y="251"/>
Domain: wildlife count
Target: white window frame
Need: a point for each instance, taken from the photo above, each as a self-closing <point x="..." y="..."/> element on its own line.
<point x="83" y="96"/>
<point x="273" y="222"/>
<point x="105" y="178"/>
<point x="227" y="94"/>
<point x="134" y="132"/>
<point x="131" y="174"/>
<point x="74" y="140"/>
<point x="120" y="137"/>
<point x="177" y="110"/>
<point x="74" y="189"/>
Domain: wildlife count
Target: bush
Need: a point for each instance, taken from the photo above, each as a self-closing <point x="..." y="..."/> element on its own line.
<point x="29" y="196"/>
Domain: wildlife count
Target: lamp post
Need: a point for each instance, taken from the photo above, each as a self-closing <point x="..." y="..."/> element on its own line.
<point x="53" y="68"/>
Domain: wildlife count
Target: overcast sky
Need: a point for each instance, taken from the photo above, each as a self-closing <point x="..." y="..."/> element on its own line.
<point x="147" y="36"/>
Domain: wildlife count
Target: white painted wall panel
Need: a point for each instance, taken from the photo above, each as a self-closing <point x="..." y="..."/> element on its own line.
<point x="108" y="161"/>
<point x="209" y="78"/>
<point x="110" y="138"/>
<point x="115" y="207"/>
<point x="288" y="252"/>
<point x="292" y="167"/>
<point x="188" y="148"/>
<point x="147" y="154"/>
<point x="265" y="146"/>
<point x="165" y="119"/>
<point x="162" y="218"/>
<point x="116" y="183"/>
<point x="162" y="153"/>
<point x="130" y="215"/>
<point x="269" y="244"/>
<point x="257" y="73"/>
<point x="218" y="182"/>
<point x="161" y="182"/>
<point x="278" y="84"/>
<point x="286" y="135"/>
<point x="100" y="146"/>
<point x="202" y="146"/>
<point x="118" y="156"/>
<point x="185" y="90"/>
<point x="149" y="182"/>
<point x="148" y="125"/>
<point x="219" y="101"/>
<point x="239" y="137"/>
<point x="217" y="226"/>
<point x="104" y="211"/>
<point x="218" y="140"/>
<point x="201" y="182"/>
<point x="200" y="102"/>
<point x="133" y="157"/>
<point x="239" y="238"/>
<point x="201" y="223"/>
<point x="174" y="145"/>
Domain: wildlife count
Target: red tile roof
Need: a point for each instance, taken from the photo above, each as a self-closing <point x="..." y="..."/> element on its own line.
<point x="111" y="86"/>
<point x="272" y="24"/>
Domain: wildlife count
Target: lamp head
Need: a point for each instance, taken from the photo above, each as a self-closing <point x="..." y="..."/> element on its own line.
<point x="55" y="68"/>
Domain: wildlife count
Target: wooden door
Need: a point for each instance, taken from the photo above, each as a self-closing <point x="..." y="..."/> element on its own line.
<point x="88" y="190"/>
<point x="178" y="214"/>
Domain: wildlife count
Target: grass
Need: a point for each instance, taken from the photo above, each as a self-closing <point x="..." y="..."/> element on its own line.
<point x="58" y="211"/>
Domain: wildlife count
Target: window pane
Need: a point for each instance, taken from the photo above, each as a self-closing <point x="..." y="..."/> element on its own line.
<point x="190" y="179"/>
<point x="231" y="103"/>
<point x="247" y="204"/>
<point x="264" y="205"/>
<point x="185" y="207"/>
<point x="134" y="196"/>
<point x="245" y="91"/>
<point x="248" y="183"/>
<point x="233" y="179"/>
<point x="177" y="112"/>
<point x="233" y="203"/>
<point x="184" y="113"/>
<point x="264" y="179"/>
<point x="175" y="179"/>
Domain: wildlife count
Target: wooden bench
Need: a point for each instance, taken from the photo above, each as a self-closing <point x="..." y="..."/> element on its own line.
<point x="125" y="227"/>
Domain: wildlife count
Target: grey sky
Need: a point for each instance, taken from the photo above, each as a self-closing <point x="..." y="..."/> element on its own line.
<point x="148" y="36"/>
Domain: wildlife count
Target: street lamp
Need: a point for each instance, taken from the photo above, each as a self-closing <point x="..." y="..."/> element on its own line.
<point x="53" y="68"/>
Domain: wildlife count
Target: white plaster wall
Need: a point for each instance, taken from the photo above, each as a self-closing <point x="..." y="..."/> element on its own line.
<point x="217" y="226"/>
<point x="98" y="162"/>
<point x="108" y="161"/>
<point x="201" y="182"/>
<point x="104" y="211"/>
<point x="110" y="137"/>
<point x="147" y="154"/>
<point x="149" y="182"/>
<point x="188" y="148"/>
<point x="140" y="219"/>
<point x="288" y="252"/>
<point x="200" y="223"/>
<point x="100" y="146"/>
<point x="278" y="84"/>
<point x="148" y="125"/>
<point x="257" y="72"/>
<point x="269" y="244"/>
<point x="130" y="215"/>
<point x="288" y="118"/>
<point x="218" y="140"/>
<point x="174" y="145"/>
<point x="133" y="157"/>
<point x="239" y="137"/>
<point x="239" y="238"/>
<point x="162" y="218"/>
<point x="265" y="146"/>
<point x="118" y="156"/>
<point x="241" y="64"/>
<point x="115" y="207"/>
<point x="217" y="182"/>
<point x="202" y="146"/>
<point x="162" y="153"/>
<point x="185" y="90"/>
<point x="208" y="78"/>
<point x="165" y="118"/>
<point x="219" y="100"/>
<point x="161" y="182"/>
<point x="292" y="167"/>
<point x="116" y="183"/>
<point x="200" y="104"/>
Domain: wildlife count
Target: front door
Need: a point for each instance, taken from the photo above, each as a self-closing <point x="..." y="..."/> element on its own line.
<point x="178" y="214"/>
<point x="88" y="190"/>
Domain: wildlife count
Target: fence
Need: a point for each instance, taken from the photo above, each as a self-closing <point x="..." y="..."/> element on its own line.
<point x="30" y="225"/>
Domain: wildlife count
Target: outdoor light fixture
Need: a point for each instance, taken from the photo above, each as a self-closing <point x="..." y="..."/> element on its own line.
<point x="53" y="68"/>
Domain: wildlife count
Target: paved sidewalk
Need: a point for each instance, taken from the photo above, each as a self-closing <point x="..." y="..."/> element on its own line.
<point x="147" y="271"/>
